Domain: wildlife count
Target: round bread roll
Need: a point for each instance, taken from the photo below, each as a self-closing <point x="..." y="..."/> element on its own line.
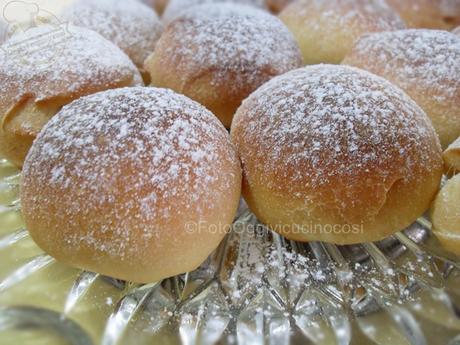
<point x="452" y="157"/>
<point x="429" y="14"/>
<point x="158" y="5"/>
<point x="136" y="183"/>
<point x="446" y="215"/>
<point x="336" y="154"/>
<point x="176" y="8"/>
<point x="217" y="54"/>
<point x="327" y="29"/>
<point x="37" y="79"/>
<point x="131" y="25"/>
<point x="456" y="31"/>
<point x="277" y="6"/>
<point x="425" y="64"/>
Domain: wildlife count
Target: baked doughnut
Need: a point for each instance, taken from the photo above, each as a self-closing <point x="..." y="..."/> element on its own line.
<point x="336" y="154"/>
<point x="429" y="14"/>
<point x="136" y="183"/>
<point x="277" y="6"/>
<point x="176" y="8"/>
<point x="130" y="24"/>
<point x="457" y="31"/>
<point x="158" y="5"/>
<point x="327" y="29"/>
<point x="452" y="157"/>
<point x="217" y="54"/>
<point x="446" y="215"/>
<point x="425" y="64"/>
<point x="36" y="83"/>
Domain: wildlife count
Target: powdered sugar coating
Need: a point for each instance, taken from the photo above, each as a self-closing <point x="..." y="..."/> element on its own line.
<point x="427" y="58"/>
<point x="75" y="62"/>
<point x="425" y="64"/>
<point x="327" y="29"/>
<point x="328" y="125"/>
<point x="352" y="14"/>
<point x="233" y="41"/>
<point x="127" y="164"/>
<point x="428" y="14"/>
<point x="131" y="25"/>
<point x="176" y="8"/>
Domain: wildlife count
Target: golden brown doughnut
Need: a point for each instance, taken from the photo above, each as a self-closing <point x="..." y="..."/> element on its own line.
<point x="446" y="215"/>
<point x="327" y="29"/>
<point x="135" y="183"/>
<point x="452" y="157"/>
<point x="336" y="154"/>
<point x="429" y="14"/>
<point x="425" y="64"/>
<point x="176" y="8"/>
<point x="36" y="83"/>
<point x="217" y="54"/>
<point x="131" y="25"/>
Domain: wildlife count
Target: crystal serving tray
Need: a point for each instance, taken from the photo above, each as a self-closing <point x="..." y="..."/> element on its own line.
<point x="257" y="288"/>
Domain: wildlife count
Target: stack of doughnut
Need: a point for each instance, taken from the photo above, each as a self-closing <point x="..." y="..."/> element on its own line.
<point x="36" y="83"/>
<point x="429" y="14"/>
<point x="327" y="29"/>
<point x="131" y="25"/>
<point x="143" y="182"/>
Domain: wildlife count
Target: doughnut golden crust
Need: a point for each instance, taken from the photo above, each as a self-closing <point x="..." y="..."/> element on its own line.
<point x="336" y="154"/>
<point x="217" y="54"/>
<point x="429" y="14"/>
<point x="176" y="8"/>
<point x="327" y="29"/>
<point x="452" y="157"/>
<point x="131" y="25"/>
<point x="446" y="215"/>
<point x="36" y="83"/>
<point x="136" y="183"/>
<point x="425" y="64"/>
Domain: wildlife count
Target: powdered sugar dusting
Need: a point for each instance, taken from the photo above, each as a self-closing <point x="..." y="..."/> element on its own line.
<point x="131" y="25"/>
<point x="429" y="59"/>
<point x="374" y="14"/>
<point x="230" y="38"/>
<point x="138" y="156"/>
<point x="176" y="8"/>
<point x="456" y="31"/>
<point x="333" y="124"/>
<point x="81" y="63"/>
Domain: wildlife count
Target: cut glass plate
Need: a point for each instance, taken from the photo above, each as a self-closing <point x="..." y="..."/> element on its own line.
<point x="256" y="288"/>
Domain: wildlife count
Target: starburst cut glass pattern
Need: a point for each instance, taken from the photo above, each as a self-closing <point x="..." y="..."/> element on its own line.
<point x="256" y="288"/>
